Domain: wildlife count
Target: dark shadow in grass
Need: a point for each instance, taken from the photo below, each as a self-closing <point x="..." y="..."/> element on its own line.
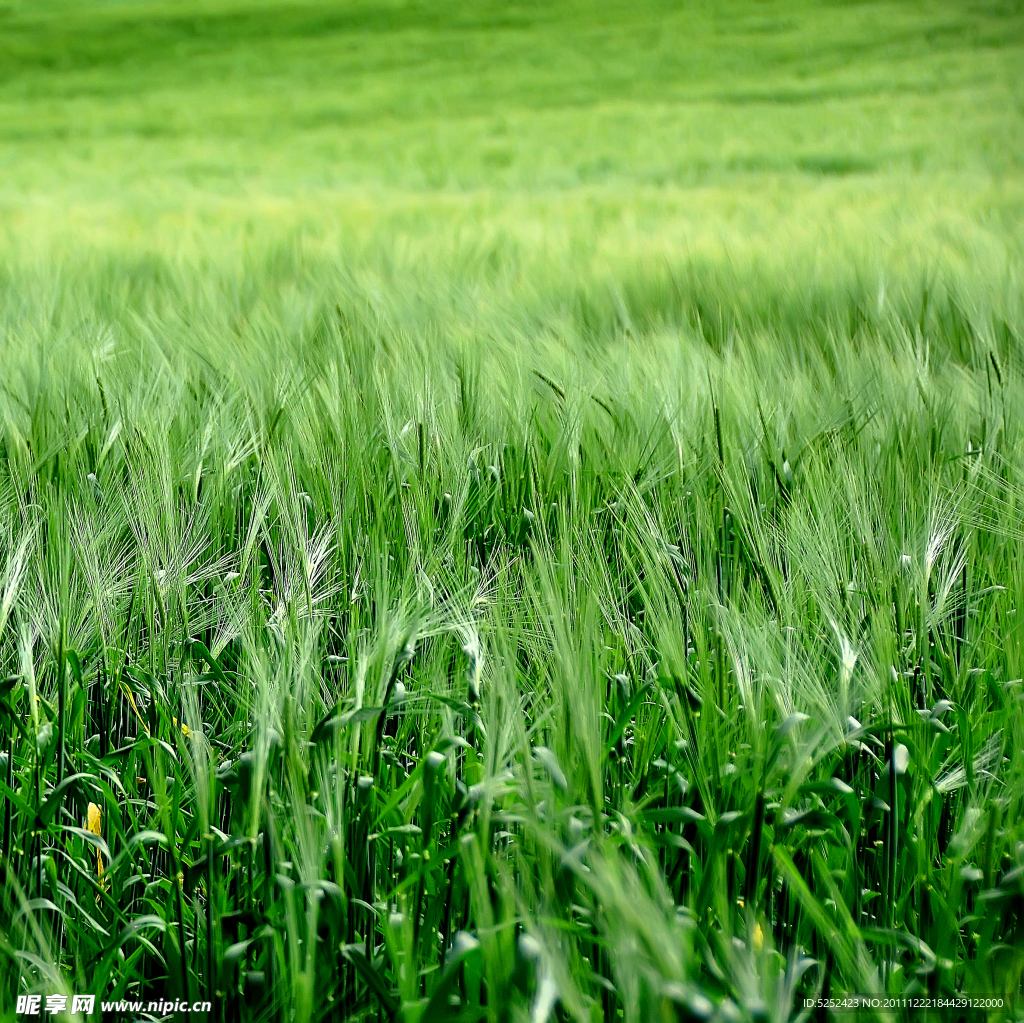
<point x="835" y="165"/>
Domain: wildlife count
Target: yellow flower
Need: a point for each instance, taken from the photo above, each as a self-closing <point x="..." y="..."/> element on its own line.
<point x="94" y="820"/>
<point x="94" y="823"/>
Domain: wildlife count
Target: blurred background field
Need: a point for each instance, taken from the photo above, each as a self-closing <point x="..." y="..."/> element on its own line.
<point x="583" y="129"/>
<point x="755" y="160"/>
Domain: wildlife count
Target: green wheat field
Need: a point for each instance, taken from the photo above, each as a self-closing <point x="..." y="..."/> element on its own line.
<point x="511" y="510"/>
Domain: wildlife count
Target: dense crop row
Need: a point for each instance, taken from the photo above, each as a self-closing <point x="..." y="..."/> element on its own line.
<point x="608" y="664"/>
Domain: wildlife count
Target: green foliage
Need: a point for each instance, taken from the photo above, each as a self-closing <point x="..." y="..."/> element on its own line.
<point x="451" y="680"/>
<point x="510" y="513"/>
